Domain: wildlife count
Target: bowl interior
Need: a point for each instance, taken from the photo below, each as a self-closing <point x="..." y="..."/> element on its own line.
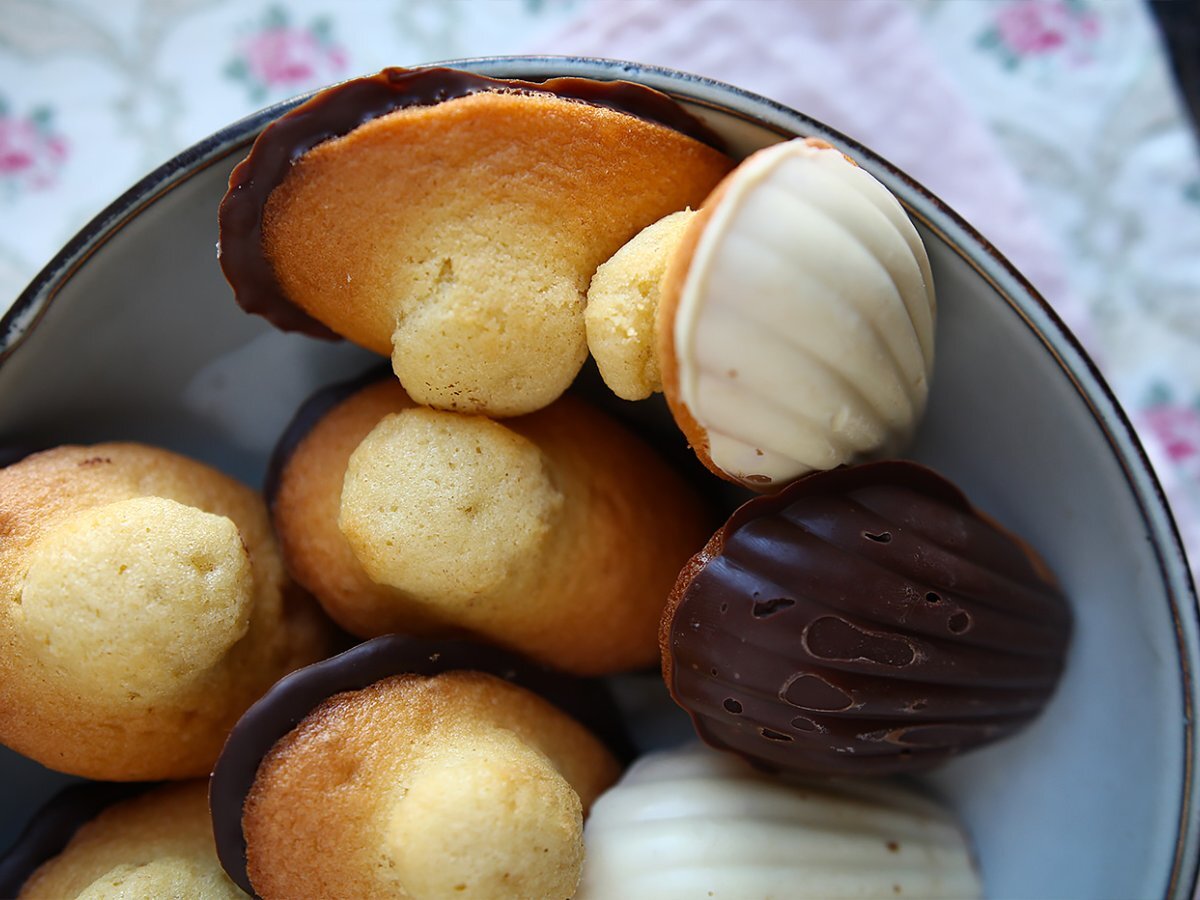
<point x="142" y="341"/>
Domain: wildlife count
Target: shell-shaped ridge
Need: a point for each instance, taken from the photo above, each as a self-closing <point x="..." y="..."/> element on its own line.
<point x="692" y="823"/>
<point x="812" y="295"/>
<point x="825" y="633"/>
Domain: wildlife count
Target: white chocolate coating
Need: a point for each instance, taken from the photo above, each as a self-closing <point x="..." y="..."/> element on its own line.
<point x="697" y="823"/>
<point x="804" y="330"/>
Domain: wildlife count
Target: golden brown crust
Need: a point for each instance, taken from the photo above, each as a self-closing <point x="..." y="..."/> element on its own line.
<point x="69" y="727"/>
<point x="449" y="509"/>
<point x="327" y="814"/>
<point x="622" y="307"/>
<point x="305" y="514"/>
<point x="629" y="522"/>
<point x="690" y="570"/>
<point x="160" y="840"/>
<point x="463" y="235"/>
<point x="670" y="292"/>
<point x="588" y="602"/>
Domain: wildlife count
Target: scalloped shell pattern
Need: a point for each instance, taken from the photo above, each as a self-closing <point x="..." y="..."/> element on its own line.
<point x="805" y="327"/>
<point x="694" y="823"/>
<point x="865" y="621"/>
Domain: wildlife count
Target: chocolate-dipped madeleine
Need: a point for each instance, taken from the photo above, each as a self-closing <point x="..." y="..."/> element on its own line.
<point x="865" y="620"/>
<point x="436" y="759"/>
<point x="52" y="827"/>
<point x="157" y="844"/>
<point x="557" y="535"/>
<point x="453" y="221"/>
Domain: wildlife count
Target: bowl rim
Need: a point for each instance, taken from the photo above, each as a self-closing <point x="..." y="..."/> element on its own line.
<point x="922" y="204"/>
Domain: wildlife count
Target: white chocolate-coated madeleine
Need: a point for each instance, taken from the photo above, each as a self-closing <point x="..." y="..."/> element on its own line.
<point x="797" y="322"/>
<point x="697" y="823"/>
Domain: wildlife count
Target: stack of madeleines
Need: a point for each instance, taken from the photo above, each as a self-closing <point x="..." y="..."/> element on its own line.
<point x="484" y="543"/>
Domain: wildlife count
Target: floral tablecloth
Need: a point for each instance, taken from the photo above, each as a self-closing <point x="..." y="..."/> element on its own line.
<point x="1052" y="125"/>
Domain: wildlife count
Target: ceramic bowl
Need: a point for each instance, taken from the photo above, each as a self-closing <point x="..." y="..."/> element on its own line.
<point x="131" y="333"/>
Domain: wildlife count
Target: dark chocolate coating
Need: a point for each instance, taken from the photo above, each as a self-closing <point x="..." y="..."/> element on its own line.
<point x="292" y="698"/>
<point x="338" y="111"/>
<point x="11" y="454"/>
<point x="49" y="832"/>
<point x="863" y="621"/>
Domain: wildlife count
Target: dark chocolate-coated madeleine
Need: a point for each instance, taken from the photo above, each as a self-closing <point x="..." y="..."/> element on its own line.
<point x="53" y="826"/>
<point x="150" y="843"/>
<point x="338" y="110"/>
<point x="865" y="620"/>
<point x="294" y="698"/>
<point x="454" y="221"/>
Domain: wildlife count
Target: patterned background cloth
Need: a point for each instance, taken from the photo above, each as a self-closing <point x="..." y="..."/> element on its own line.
<point x="1053" y="126"/>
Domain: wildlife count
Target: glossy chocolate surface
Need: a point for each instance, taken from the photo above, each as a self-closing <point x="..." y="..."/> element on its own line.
<point x="49" y="832"/>
<point x="292" y="698"/>
<point x="866" y="620"/>
<point x="338" y="111"/>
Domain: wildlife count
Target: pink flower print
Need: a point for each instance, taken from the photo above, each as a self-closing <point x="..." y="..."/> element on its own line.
<point x="1027" y="28"/>
<point x="1022" y="29"/>
<point x="288" y="56"/>
<point x="1177" y="429"/>
<point x="279" y="56"/>
<point x="31" y="152"/>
